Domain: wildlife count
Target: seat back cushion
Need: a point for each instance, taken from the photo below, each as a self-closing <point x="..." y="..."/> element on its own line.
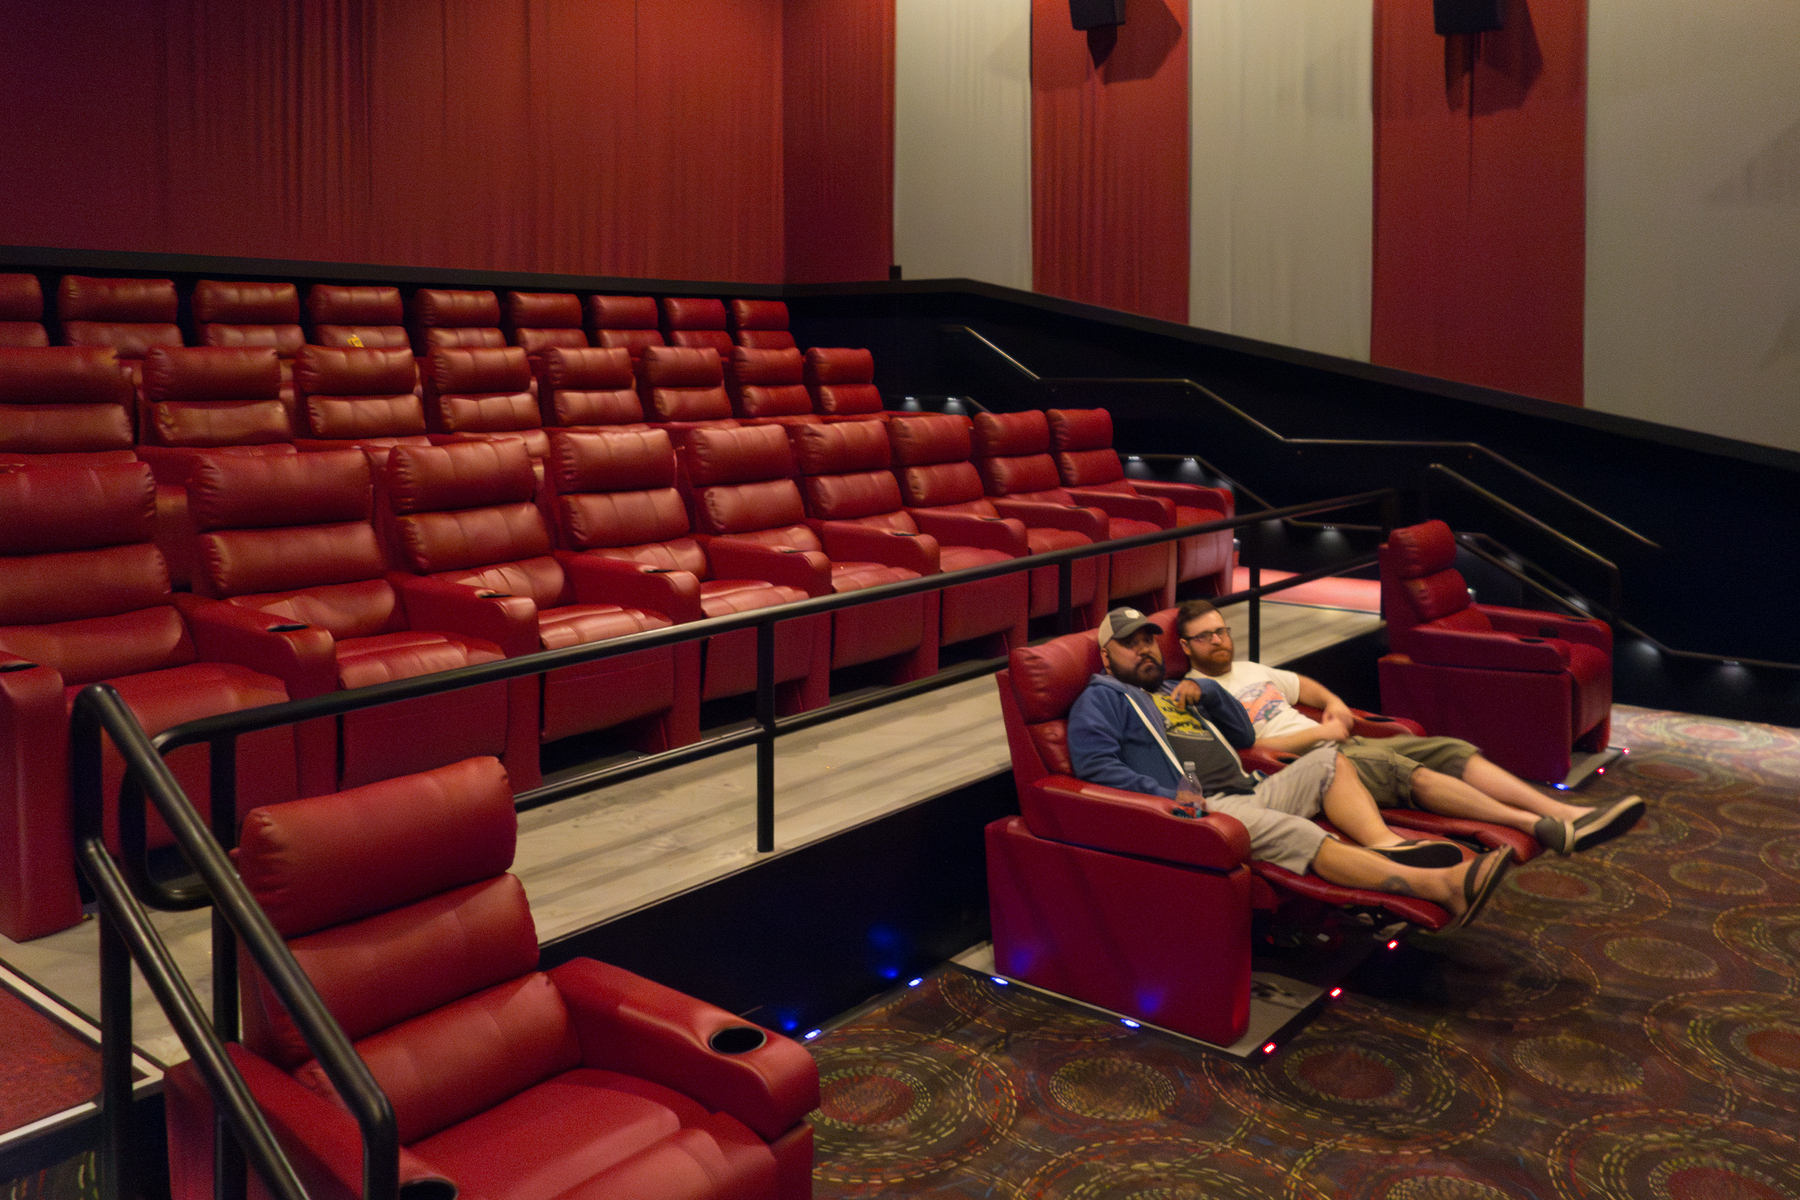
<point x="483" y="390"/>
<point x="842" y="381"/>
<point x="845" y="471"/>
<point x="22" y="297"/>
<point x="1045" y="680"/>
<point x="618" y="490"/>
<point x="213" y="396"/>
<point x="589" y="386"/>
<point x="543" y="310"/>
<point x="1007" y="434"/>
<point x="1019" y="475"/>
<point x="1418" y="582"/>
<point x="63" y="399"/>
<point x="467" y="511"/>
<point x="758" y="314"/>
<point x="692" y="312"/>
<point x="682" y="383"/>
<point x="335" y="304"/>
<point x="767" y="383"/>
<point x="622" y="312"/>
<point x="349" y="392"/>
<point x="1080" y="428"/>
<point x="249" y="313"/>
<point x="445" y="308"/>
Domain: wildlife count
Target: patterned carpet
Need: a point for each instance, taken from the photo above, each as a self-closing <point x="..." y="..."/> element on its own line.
<point x="1623" y="1023"/>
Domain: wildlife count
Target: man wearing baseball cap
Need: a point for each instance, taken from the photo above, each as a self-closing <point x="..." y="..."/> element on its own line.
<point x="1123" y="735"/>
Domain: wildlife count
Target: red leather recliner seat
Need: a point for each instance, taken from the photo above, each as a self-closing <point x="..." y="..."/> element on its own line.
<point x="697" y="322"/>
<point x="842" y="383"/>
<point x="451" y="319"/>
<point x="465" y="521"/>
<point x="292" y="539"/>
<point x="484" y="392"/>
<point x="626" y="321"/>
<point x="252" y="315"/>
<point x="536" y="321"/>
<point x="683" y="388"/>
<point x="359" y="317"/>
<point x="761" y="325"/>
<point x="84" y="598"/>
<point x="1012" y="455"/>
<point x="64" y="406"/>
<point x="351" y="396"/>
<point x="618" y="512"/>
<point x="588" y="388"/>
<point x="768" y="387"/>
<point x="22" y="311"/>
<point x="849" y="489"/>
<point x="932" y="461"/>
<point x="506" y="1082"/>
<point x="748" y="516"/>
<point x="1081" y="439"/>
<point x="129" y="316"/>
<point x="1524" y="685"/>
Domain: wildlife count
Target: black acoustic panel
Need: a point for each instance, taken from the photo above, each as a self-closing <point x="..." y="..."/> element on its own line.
<point x="1091" y="14"/>
<point x="1468" y="16"/>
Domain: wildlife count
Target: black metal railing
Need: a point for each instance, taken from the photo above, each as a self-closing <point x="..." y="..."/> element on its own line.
<point x="125" y="886"/>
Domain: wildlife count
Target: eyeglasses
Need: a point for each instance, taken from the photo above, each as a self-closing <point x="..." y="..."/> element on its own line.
<point x="1221" y="634"/>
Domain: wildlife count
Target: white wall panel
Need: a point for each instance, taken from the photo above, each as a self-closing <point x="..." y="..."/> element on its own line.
<point x="962" y="140"/>
<point x="1282" y="163"/>
<point x="1693" y="215"/>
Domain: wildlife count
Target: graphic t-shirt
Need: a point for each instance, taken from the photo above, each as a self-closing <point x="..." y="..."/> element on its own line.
<point x="1216" y="765"/>
<point x="1268" y="694"/>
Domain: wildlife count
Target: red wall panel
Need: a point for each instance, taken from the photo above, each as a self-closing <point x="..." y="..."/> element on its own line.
<point x="618" y="137"/>
<point x="1480" y="198"/>
<point x="838" y="102"/>
<point x="1109" y="159"/>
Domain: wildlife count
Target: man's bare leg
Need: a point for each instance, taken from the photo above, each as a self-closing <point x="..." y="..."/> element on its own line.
<point x="1518" y="805"/>
<point x="1349" y="806"/>
<point x="1352" y="866"/>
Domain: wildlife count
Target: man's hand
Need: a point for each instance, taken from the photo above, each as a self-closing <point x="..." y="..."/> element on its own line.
<point x="1183" y="797"/>
<point x="1186" y="693"/>
<point x="1332" y="729"/>
<point x="1337" y="710"/>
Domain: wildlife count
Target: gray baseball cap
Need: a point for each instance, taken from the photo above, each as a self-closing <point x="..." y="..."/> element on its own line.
<point x="1122" y="623"/>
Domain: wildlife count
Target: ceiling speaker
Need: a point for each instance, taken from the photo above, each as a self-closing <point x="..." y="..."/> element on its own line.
<point x="1091" y="14"/>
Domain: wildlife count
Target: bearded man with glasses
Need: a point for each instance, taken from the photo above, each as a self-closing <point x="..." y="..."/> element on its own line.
<point x="1441" y="775"/>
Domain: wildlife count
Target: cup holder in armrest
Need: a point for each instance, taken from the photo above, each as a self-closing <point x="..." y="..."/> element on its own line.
<point x="490" y="594"/>
<point x="289" y="627"/>
<point x="21" y="665"/>
<point x="737" y="1039"/>
<point x="1531" y="640"/>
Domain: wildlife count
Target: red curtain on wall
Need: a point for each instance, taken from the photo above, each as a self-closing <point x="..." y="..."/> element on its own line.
<point x="622" y="137"/>
<point x="838" y="98"/>
<point x="1480" y="197"/>
<point x="1109" y="158"/>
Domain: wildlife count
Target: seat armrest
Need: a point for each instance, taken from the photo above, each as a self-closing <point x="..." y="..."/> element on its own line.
<point x="1088" y="522"/>
<point x="509" y="622"/>
<point x="740" y="558"/>
<point x="637" y="1027"/>
<point x="1531" y="623"/>
<point x="1484" y="650"/>
<point x="1371" y="724"/>
<point x="304" y="656"/>
<point x="1258" y="758"/>
<point x="1157" y="511"/>
<point x="1007" y="535"/>
<point x="321" y="1139"/>
<point x="1064" y="809"/>
<point x="599" y="580"/>
<point x="847" y="541"/>
<point x="1191" y="494"/>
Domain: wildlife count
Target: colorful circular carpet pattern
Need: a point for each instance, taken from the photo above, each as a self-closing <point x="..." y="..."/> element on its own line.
<point x="1622" y="1023"/>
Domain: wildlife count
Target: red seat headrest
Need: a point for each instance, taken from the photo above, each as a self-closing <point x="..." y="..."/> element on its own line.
<point x="210" y="373"/>
<point x="333" y="304"/>
<point x="53" y="509"/>
<point x="354" y="371"/>
<point x="680" y="366"/>
<point x="602" y="461"/>
<point x="458" y="475"/>
<point x="62" y="375"/>
<point x="766" y="368"/>
<point x="745" y="455"/>
<point x="144" y="301"/>
<point x="693" y="312"/>
<point x="1006" y="434"/>
<point x="325" y="860"/>
<point x="622" y="312"/>
<point x="1080" y="429"/>
<point x="841" y="448"/>
<point x="758" y="314"/>
<point x="22" y="298"/>
<point x="279" y="491"/>
<point x="1046" y="678"/>
<point x="224" y="303"/>
<point x="441" y="308"/>
<point x="592" y="368"/>
<point x="543" y="310"/>
<point x="1420" y="550"/>
<point x="480" y="370"/>
<point x="932" y="438"/>
<point x="830" y="366"/>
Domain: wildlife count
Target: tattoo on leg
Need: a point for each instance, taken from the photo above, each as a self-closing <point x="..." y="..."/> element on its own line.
<point x="1396" y="885"/>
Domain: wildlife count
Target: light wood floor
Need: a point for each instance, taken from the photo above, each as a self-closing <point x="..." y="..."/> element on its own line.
<point x="593" y="857"/>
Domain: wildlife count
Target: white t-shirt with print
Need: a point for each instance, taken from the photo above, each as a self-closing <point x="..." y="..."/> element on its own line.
<point x="1268" y="694"/>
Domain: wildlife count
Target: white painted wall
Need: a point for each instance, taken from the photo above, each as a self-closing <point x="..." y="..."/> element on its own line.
<point x="1693" y="215"/>
<point x="1282" y="163"/>
<point x="962" y="140"/>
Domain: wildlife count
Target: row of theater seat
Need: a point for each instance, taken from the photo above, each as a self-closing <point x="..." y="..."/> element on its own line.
<point x="303" y="585"/>
<point x="133" y="316"/>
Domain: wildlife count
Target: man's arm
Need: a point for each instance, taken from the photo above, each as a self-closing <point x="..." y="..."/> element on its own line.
<point x="1321" y="697"/>
<point x="1096" y="724"/>
<point x="1334" y="728"/>
<point x="1227" y="715"/>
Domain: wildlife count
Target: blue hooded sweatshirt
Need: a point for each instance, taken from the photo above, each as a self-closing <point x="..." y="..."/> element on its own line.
<point x="1108" y="745"/>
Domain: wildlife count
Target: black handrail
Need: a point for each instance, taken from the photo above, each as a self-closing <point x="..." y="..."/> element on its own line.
<point x="126" y="936"/>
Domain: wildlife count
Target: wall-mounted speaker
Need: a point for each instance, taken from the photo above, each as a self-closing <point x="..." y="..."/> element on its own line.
<point x="1092" y="14"/>
<point x="1468" y="16"/>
